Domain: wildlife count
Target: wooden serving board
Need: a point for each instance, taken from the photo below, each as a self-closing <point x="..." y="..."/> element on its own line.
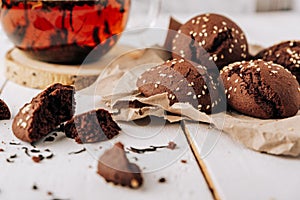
<point x="37" y="74"/>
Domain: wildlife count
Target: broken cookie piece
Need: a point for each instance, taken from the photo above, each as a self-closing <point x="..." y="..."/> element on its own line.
<point x="4" y="111"/>
<point x="114" y="166"/>
<point x="44" y="113"/>
<point x="93" y="126"/>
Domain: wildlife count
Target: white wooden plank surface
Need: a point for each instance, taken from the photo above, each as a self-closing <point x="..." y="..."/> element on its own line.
<point x="240" y="173"/>
<point x="237" y="172"/>
<point x="74" y="176"/>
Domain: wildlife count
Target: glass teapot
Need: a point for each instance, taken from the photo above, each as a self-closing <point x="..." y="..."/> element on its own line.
<point x="65" y="31"/>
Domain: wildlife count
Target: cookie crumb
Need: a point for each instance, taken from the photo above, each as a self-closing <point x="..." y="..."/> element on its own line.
<point x="35" y="187"/>
<point x="14" y="143"/>
<point x="38" y="158"/>
<point x="162" y="180"/>
<point x="49" y="193"/>
<point x="49" y="139"/>
<point x="77" y="152"/>
<point x="171" y="145"/>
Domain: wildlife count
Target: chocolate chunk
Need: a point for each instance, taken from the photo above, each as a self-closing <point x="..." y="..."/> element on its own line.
<point x="114" y="166"/>
<point x="44" y="113"/>
<point x="93" y="126"/>
<point x="4" y="111"/>
<point x="261" y="89"/>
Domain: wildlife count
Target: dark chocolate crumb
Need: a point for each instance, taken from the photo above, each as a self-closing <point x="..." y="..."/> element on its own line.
<point x="171" y="145"/>
<point x="49" y="139"/>
<point x="47" y="150"/>
<point x="184" y="161"/>
<point x="13" y="156"/>
<point x="26" y="151"/>
<point x="50" y="156"/>
<point x="38" y="159"/>
<point x="9" y="161"/>
<point x="77" y="152"/>
<point x="34" y="187"/>
<point x="1" y="150"/>
<point x="49" y="193"/>
<point x="140" y="151"/>
<point x="35" y="151"/>
<point x="162" y="180"/>
<point x="135" y="158"/>
<point x="14" y="143"/>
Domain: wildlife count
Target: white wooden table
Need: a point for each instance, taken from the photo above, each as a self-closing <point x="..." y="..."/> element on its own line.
<point x="221" y="170"/>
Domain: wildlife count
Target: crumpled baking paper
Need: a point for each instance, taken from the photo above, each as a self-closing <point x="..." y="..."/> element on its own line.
<point x="119" y="93"/>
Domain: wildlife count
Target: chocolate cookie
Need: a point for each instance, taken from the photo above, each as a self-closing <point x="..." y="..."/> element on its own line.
<point x="44" y="113"/>
<point x="114" y="166"/>
<point x="184" y="83"/>
<point x="4" y="111"/>
<point x="210" y="40"/>
<point x="286" y="54"/>
<point x="92" y="126"/>
<point x="261" y="89"/>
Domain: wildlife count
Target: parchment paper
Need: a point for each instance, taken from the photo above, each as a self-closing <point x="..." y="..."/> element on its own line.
<point x="118" y="88"/>
<point x="278" y="137"/>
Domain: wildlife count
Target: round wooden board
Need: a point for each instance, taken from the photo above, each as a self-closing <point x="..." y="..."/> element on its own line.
<point x="37" y="74"/>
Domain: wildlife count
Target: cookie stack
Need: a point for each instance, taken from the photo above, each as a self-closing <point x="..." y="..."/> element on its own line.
<point x="265" y="87"/>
